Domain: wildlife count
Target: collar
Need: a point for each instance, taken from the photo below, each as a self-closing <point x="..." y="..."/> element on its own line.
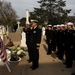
<point x="35" y="27"/>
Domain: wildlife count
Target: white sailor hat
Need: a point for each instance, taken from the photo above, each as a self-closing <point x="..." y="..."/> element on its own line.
<point x="49" y="25"/>
<point x="62" y="25"/>
<point x="34" y="21"/>
<point x="65" y="25"/>
<point x="58" y="25"/>
<point x="55" y="26"/>
<point x="69" y="23"/>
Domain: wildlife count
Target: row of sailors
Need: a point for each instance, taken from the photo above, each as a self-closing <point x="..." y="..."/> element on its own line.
<point x="61" y="39"/>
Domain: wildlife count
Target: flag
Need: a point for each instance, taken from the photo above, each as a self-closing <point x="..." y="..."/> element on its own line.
<point x="3" y="53"/>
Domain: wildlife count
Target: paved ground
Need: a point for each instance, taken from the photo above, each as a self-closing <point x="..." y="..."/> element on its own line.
<point x="47" y="65"/>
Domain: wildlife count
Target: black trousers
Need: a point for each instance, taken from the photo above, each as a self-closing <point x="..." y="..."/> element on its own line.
<point x="49" y="48"/>
<point x="54" y="45"/>
<point x="69" y="57"/>
<point x="61" y="52"/>
<point x="30" y="53"/>
<point x="35" y="56"/>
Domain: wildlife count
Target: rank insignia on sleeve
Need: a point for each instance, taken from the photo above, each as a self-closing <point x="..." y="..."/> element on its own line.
<point x="34" y="31"/>
<point x="73" y="34"/>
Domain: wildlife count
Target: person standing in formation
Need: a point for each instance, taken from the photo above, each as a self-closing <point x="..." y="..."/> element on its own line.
<point x="49" y="37"/>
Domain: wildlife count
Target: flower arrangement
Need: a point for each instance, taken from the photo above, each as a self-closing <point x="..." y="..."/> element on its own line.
<point x="17" y="52"/>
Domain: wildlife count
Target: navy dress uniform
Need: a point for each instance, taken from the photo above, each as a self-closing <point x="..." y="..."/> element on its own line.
<point x="70" y="47"/>
<point x="59" y="37"/>
<point x="54" y="38"/>
<point x="35" y="40"/>
<point x="49" y="37"/>
<point x="61" y="43"/>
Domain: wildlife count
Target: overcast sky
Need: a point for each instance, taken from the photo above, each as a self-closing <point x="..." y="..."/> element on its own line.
<point x="20" y="6"/>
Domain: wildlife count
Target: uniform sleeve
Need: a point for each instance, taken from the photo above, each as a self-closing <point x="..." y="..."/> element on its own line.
<point x="39" y="34"/>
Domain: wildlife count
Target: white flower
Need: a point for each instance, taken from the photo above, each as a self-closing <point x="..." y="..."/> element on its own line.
<point x="17" y="51"/>
<point x="20" y="51"/>
<point x="18" y="48"/>
<point x="13" y="52"/>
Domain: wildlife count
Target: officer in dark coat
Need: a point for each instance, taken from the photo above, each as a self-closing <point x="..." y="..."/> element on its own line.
<point x="35" y="40"/>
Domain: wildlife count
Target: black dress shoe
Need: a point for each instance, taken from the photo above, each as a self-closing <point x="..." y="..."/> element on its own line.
<point x="34" y="68"/>
<point x="29" y="61"/>
<point x="64" y="63"/>
<point x="48" y="53"/>
<point x="73" y="74"/>
<point x="68" y="66"/>
<point x="31" y="66"/>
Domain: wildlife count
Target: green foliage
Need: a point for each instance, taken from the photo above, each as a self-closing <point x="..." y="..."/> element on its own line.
<point x="23" y="21"/>
<point x="7" y="13"/>
<point x="51" y="11"/>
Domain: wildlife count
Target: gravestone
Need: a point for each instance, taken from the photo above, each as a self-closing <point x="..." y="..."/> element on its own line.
<point x="23" y="39"/>
<point x="18" y="28"/>
<point x="43" y="31"/>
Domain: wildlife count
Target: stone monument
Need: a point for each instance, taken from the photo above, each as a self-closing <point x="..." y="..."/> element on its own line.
<point x="27" y="16"/>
